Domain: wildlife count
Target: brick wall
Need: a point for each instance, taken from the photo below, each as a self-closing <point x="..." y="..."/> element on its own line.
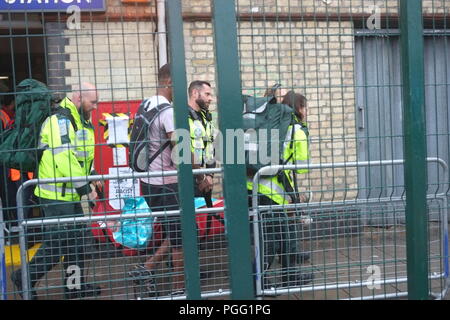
<point x="56" y="58"/>
<point x="315" y="59"/>
<point x="119" y="57"/>
<point x="343" y="7"/>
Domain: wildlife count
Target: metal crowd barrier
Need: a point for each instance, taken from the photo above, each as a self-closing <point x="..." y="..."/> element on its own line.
<point x="2" y="261"/>
<point x="254" y="214"/>
<point x="259" y="250"/>
<point x="24" y="223"/>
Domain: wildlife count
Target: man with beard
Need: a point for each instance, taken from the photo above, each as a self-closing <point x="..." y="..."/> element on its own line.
<point x="67" y="137"/>
<point x="201" y="132"/>
<point x="162" y="192"/>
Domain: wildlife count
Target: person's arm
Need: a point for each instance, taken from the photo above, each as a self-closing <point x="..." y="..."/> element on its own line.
<point x="300" y="147"/>
<point x="169" y="136"/>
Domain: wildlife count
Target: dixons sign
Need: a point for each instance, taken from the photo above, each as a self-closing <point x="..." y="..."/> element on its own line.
<point x="50" y="5"/>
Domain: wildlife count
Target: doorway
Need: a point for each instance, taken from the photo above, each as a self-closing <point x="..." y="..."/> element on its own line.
<point x="22" y="55"/>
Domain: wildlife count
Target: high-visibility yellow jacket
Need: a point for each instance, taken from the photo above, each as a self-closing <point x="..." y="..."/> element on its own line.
<point x="69" y="152"/>
<point x="201" y="131"/>
<point x="295" y="152"/>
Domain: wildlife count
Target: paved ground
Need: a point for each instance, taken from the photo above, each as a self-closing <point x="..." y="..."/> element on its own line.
<point x="343" y="266"/>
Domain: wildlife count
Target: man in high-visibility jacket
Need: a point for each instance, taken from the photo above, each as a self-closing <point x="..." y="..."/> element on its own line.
<point x="202" y="137"/>
<point x="68" y="141"/>
<point x="279" y="229"/>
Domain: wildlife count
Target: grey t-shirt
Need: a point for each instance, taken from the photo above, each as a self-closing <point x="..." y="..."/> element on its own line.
<point x="158" y="135"/>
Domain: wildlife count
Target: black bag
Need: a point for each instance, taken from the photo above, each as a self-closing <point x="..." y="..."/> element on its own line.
<point x="139" y="143"/>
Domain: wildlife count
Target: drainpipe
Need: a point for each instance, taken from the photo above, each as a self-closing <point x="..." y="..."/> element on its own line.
<point x="162" y="42"/>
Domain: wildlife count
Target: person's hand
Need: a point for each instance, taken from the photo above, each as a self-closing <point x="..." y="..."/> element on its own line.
<point x="210" y="182"/>
<point x="92" y="196"/>
<point x="303" y="198"/>
<point x="98" y="184"/>
<point x="204" y="184"/>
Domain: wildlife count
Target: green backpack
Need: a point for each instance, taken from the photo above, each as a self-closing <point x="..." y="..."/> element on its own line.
<point x="260" y="117"/>
<point x="19" y="145"/>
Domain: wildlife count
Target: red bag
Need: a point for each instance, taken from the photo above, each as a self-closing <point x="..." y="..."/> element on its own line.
<point x="210" y="224"/>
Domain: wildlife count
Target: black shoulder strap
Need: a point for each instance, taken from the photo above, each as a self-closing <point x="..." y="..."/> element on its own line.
<point x="211" y="215"/>
<point x="160" y="150"/>
<point x="193" y="114"/>
<point x="148" y="116"/>
<point x="67" y="114"/>
<point x="282" y="177"/>
<point x="151" y="115"/>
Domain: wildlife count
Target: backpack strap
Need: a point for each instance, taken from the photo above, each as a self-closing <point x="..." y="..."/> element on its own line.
<point x="157" y="153"/>
<point x="282" y="177"/>
<point x="149" y="116"/>
<point x="66" y="113"/>
<point x="193" y="114"/>
<point x="152" y="115"/>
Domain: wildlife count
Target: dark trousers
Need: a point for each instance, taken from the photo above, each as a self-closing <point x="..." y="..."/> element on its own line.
<point x="165" y="197"/>
<point x="8" y="192"/>
<point x="279" y="235"/>
<point x="60" y="240"/>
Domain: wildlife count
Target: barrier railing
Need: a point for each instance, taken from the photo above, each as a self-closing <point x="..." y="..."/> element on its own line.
<point x="24" y="223"/>
<point x="256" y="213"/>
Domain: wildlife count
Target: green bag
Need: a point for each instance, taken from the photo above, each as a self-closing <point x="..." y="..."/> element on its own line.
<point x="19" y="145"/>
<point x="262" y="116"/>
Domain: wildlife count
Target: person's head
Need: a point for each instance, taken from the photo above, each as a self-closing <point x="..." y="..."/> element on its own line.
<point x="85" y="98"/>
<point x="165" y="82"/>
<point x="298" y="102"/>
<point x="200" y="95"/>
<point x="9" y="102"/>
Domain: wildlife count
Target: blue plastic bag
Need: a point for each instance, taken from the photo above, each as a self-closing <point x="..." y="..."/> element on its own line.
<point x="135" y="232"/>
<point x="200" y="202"/>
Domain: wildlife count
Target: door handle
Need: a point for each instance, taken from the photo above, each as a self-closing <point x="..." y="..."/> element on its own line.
<point x="362" y="118"/>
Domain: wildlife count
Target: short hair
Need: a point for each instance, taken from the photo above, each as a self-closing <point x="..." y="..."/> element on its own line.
<point x="83" y="87"/>
<point x="197" y="84"/>
<point x="294" y="100"/>
<point x="164" y="73"/>
<point x="80" y="89"/>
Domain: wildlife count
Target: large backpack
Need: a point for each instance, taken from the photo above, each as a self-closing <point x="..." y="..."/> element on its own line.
<point x="139" y="142"/>
<point x="260" y="117"/>
<point x="19" y="147"/>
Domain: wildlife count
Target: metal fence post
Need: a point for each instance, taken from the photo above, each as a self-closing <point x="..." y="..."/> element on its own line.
<point x="230" y="107"/>
<point x="185" y="177"/>
<point x="412" y="48"/>
<point x="2" y="259"/>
